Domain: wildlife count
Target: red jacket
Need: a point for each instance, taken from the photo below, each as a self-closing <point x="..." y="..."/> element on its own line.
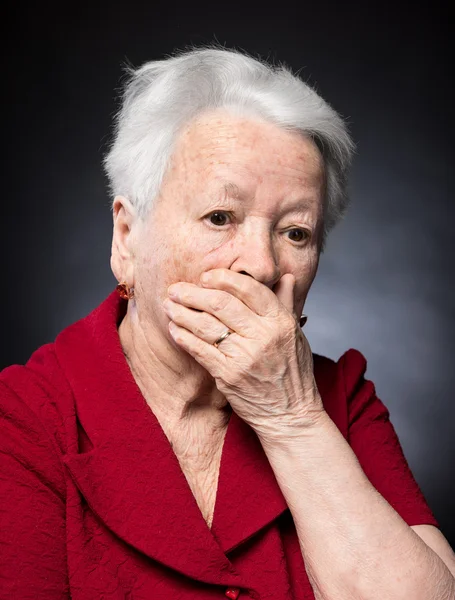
<point x="94" y="503"/>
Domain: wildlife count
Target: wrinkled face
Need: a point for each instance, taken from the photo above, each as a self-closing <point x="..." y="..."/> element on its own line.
<point x="240" y="194"/>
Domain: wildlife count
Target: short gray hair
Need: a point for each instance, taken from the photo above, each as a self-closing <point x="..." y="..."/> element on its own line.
<point x="162" y="96"/>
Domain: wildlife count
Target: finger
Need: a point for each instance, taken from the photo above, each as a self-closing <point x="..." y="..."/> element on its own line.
<point x="225" y="307"/>
<point x="206" y="354"/>
<point x="284" y="291"/>
<point x="203" y="325"/>
<point x="255" y="295"/>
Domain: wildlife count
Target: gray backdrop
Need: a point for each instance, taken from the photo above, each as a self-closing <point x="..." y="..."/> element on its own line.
<point x="385" y="284"/>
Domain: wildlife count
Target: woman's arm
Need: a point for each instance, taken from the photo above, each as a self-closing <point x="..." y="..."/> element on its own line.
<point x="355" y="545"/>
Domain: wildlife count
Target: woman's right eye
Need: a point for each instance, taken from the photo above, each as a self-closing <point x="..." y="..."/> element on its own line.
<point x="217" y="216"/>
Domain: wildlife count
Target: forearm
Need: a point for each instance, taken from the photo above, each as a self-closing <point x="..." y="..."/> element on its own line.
<point x="354" y="544"/>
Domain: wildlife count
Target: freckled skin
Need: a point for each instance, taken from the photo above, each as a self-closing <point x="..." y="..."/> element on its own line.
<point x="270" y="164"/>
<point x="272" y="168"/>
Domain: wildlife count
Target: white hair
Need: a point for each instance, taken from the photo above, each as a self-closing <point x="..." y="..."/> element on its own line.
<point x="163" y="96"/>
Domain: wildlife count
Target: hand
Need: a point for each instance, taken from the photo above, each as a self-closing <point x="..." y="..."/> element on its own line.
<point x="265" y="367"/>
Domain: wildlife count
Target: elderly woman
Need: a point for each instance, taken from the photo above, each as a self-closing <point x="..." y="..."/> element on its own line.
<point x="182" y="441"/>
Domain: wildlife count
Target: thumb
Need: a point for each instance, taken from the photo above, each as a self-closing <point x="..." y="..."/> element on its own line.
<point x="284" y="291"/>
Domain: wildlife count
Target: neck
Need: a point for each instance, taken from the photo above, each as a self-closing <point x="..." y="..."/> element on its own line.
<point x="180" y="392"/>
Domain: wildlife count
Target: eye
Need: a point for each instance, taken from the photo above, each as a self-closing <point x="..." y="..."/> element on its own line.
<point x="217" y="217"/>
<point x="302" y="234"/>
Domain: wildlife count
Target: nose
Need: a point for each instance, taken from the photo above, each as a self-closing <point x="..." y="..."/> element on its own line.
<point x="258" y="262"/>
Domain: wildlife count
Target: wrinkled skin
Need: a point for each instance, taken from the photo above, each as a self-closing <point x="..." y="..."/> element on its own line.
<point x="272" y="229"/>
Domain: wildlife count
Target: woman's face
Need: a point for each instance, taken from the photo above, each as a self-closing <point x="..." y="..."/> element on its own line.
<point x="239" y="194"/>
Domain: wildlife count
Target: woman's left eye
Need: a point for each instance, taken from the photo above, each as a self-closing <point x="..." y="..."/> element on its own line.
<point x="304" y="234"/>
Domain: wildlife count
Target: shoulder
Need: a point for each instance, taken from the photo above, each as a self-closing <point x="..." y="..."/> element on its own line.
<point x="35" y="406"/>
<point x="40" y="384"/>
<point x="351" y="366"/>
<point x="347" y="372"/>
<point x="342" y="385"/>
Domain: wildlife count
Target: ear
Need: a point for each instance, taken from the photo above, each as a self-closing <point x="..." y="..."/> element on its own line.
<point x="122" y="252"/>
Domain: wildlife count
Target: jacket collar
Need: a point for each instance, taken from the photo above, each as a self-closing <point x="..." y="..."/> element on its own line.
<point x="131" y="477"/>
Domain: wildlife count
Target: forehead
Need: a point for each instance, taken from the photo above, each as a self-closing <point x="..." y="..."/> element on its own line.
<point x="218" y="143"/>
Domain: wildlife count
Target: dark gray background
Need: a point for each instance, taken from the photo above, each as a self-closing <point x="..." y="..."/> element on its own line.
<point x="385" y="284"/>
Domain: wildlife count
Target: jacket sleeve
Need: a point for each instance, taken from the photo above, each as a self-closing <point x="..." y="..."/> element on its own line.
<point x="32" y="509"/>
<point x="376" y="445"/>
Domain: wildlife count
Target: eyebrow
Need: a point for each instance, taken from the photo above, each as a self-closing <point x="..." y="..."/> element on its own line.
<point x="232" y="190"/>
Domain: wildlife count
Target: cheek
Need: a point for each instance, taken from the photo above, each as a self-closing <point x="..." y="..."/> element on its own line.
<point x="182" y="264"/>
<point x="178" y="263"/>
<point x="305" y="278"/>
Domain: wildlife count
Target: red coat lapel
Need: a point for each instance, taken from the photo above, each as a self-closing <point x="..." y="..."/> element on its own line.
<point x="132" y="479"/>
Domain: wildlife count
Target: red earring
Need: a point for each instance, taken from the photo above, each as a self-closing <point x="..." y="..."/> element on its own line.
<point x="125" y="291"/>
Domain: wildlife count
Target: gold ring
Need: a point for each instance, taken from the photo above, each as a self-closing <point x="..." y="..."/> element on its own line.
<point x="223" y="337"/>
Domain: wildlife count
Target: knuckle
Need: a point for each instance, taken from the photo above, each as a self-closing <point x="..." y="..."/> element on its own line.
<point x="204" y="327"/>
<point x="199" y="330"/>
<point x="291" y="323"/>
<point x="219" y="301"/>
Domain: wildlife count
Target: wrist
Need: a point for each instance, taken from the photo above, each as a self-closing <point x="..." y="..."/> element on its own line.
<point x="292" y="429"/>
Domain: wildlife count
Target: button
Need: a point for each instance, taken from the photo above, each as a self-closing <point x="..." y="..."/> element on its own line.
<point x="232" y="593"/>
